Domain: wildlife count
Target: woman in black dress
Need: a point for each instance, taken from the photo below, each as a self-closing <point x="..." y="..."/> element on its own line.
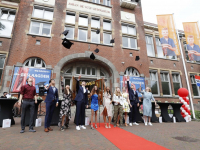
<point x="65" y="110"/>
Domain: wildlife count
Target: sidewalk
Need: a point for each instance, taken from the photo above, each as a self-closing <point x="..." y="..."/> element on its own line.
<point x="162" y="134"/>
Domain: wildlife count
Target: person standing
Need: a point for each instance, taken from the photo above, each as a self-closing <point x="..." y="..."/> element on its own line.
<point x="65" y="109"/>
<point x="94" y="105"/>
<point x="51" y="101"/>
<point x="126" y="104"/>
<point x="118" y="107"/>
<point x="147" y="106"/>
<point x="107" y="103"/>
<point x="81" y="100"/>
<point x="28" y="93"/>
<point x="134" y="100"/>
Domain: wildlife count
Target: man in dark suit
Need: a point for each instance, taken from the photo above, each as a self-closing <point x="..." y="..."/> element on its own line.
<point x="51" y="101"/>
<point x="134" y="100"/>
<point x="81" y="100"/>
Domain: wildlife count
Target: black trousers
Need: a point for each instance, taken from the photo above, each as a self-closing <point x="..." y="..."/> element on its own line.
<point x="80" y="113"/>
<point x="27" y="105"/>
<point x="133" y="113"/>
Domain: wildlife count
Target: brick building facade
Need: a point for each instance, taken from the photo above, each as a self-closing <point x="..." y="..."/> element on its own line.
<point x="34" y="39"/>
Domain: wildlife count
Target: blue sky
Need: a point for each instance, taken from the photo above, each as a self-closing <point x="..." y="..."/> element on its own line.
<point x="184" y="10"/>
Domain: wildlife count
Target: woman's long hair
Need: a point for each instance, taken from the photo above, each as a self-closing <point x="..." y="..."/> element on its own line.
<point x="93" y="90"/>
<point x="118" y="93"/>
<point x="66" y="92"/>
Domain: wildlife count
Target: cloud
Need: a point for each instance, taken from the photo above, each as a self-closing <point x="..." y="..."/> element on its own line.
<point x="183" y="10"/>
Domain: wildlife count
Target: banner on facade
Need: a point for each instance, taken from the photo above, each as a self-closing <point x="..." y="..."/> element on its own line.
<point x="39" y="76"/>
<point x="197" y="79"/>
<point x="135" y="80"/>
<point x="168" y="36"/>
<point x="192" y="36"/>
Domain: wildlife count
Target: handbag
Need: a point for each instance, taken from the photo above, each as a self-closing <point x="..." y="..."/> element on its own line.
<point x="38" y="122"/>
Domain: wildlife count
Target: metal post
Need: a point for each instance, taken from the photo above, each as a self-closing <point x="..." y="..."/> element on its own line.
<point x="185" y="70"/>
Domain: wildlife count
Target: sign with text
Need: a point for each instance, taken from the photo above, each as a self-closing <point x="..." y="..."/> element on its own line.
<point x="192" y="36"/>
<point x="168" y="36"/>
<point x="87" y="7"/>
<point x="135" y="80"/>
<point x="39" y="76"/>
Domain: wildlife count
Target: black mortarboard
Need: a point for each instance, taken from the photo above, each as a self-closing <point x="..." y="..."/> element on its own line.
<point x="98" y="31"/>
<point x="92" y="56"/>
<point x="112" y="41"/>
<point x="40" y="84"/>
<point x="65" y="32"/>
<point x="137" y="58"/>
<point x="66" y="43"/>
<point x="96" y="50"/>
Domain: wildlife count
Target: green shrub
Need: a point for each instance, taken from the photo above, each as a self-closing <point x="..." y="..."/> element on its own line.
<point x="197" y="114"/>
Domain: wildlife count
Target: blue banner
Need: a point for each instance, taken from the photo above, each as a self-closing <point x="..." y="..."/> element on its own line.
<point x="135" y="80"/>
<point x="40" y="77"/>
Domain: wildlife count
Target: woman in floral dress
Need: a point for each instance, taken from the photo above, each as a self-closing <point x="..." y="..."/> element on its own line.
<point x="126" y="104"/>
<point x="65" y="109"/>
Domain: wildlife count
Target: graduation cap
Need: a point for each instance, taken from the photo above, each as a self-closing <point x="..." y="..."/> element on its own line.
<point x="92" y="56"/>
<point x="96" y="50"/>
<point x="65" y="32"/>
<point x="66" y="43"/>
<point x="137" y="58"/>
<point x="98" y="31"/>
<point x="112" y="41"/>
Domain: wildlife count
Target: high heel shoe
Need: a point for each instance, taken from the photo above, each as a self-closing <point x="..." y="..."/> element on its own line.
<point x="109" y="126"/>
<point x="106" y="125"/>
<point x="95" y="126"/>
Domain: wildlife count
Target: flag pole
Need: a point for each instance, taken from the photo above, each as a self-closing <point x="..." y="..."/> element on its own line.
<point x="185" y="70"/>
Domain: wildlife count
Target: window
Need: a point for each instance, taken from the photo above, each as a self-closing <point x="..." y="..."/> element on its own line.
<point x="7" y="17"/>
<point x="106" y="38"/>
<point x="96" y="1"/>
<point x="129" y="42"/>
<point x="35" y="62"/>
<point x="131" y="72"/>
<point x="43" y="13"/>
<point x="176" y="82"/>
<point x="106" y="24"/>
<point x="70" y="18"/>
<point x="2" y="61"/>
<point x="95" y="23"/>
<point x="83" y="20"/>
<point x="102" y="74"/>
<point x="82" y="35"/>
<point x="70" y="34"/>
<point x="128" y="29"/>
<point x="106" y="2"/>
<point x="95" y="38"/>
<point x="166" y="88"/>
<point x="86" y="71"/>
<point x="150" y="46"/>
<point x="195" y="88"/>
<point x="40" y="28"/>
<point x="154" y="82"/>
<point x="69" y="71"/>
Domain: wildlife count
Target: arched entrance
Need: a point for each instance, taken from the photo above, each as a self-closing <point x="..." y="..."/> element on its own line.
<point x="92" y="69"/>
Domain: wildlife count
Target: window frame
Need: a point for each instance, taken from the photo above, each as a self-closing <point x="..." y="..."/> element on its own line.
<point x="180" y="83"/>
<point x="95" y="18"/>
<point x="147" y="37"/>
<point x="86" y="34"/>
<point x="110" y="38"/>
<point x="134" y="70"/>
<point x="157" y="79"/>
<point x="29" y="64"/>
<point x="40" y="28"/>
<point x="129" y="25"/>
<point x="108" y="2"/>
<point x="108" y="21"/>
<point x="198" y="90"/>
<point x="83" y="16"/>
<point x="70" y="13"/>
<point x="92" y="31"/>
<point x="86" y="71"/>
<point x="129" y="42"/>
<point x="43" y="8"/>
<point x="169" y="82"/>
<point x="73" y="31"/>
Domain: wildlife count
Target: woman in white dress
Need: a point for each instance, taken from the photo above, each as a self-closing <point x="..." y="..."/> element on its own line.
<point x="107" y="102"/>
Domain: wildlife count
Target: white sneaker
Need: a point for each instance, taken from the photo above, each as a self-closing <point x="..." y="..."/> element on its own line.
<point x="150" y="124"/>
<point x="145" y="123"/>
<point x="130" y="124"/>
<point x="135" y="124"/>
<point x="83" y="127"/>
<point x="78" y="128"/>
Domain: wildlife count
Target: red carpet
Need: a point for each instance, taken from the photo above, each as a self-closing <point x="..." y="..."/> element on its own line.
<point x="125" y="140"/>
